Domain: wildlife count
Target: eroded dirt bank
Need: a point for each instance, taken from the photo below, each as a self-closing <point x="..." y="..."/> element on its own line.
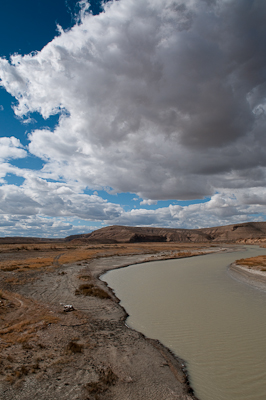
<point x="248" y="276"/>
<point x="86" y="354"/>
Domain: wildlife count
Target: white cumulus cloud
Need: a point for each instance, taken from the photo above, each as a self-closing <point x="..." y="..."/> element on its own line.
<point x="162" y="98"/>
<point x="10" y="147"/>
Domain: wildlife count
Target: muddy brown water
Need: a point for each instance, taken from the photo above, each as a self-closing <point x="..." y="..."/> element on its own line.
<point x="214" y="322"/>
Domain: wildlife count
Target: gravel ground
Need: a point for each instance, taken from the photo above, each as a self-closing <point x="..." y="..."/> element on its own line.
<point x="85" y="354"/>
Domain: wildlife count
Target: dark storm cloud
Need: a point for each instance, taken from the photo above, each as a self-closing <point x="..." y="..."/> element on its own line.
<point x="161" y="98"/>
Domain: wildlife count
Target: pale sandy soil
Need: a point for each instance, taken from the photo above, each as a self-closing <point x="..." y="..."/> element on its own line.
<point x="250" y="276"/>
<point x="86" y="354"/>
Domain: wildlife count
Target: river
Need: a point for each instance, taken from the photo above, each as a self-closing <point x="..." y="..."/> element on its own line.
<point x="212" y="321"/>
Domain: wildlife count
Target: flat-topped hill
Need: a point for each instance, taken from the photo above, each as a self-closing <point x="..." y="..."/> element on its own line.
<point x="129" y="234"/>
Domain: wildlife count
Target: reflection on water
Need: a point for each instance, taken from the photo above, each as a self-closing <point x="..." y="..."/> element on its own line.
<point x="215" y="323"/>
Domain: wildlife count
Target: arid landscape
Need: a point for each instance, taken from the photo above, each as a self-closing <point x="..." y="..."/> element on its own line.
<point x="50" y="351"/>
<point x="250" y="232"/>
<point x="251" y="271"/>
<point x="131" y="131"/>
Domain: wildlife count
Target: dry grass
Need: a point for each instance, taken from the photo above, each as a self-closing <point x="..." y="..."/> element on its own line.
<point x="174" y="255"/>
<point x="32" y="257"/>
<point x="23" y="319"/>
<point x="19" y="372"/>
<point x="28" y="263"/>
<point x="258" y="263"/>
<point x="23" y="331"/>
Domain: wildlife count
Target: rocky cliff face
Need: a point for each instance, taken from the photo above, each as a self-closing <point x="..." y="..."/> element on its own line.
<point x="234" y="233"/>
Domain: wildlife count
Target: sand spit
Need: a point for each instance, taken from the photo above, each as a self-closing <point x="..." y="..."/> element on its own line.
<point x="252" y="277"/>
<point x="85" y="354"/>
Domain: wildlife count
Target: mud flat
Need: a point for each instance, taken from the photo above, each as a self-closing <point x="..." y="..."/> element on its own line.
<point x="248" y="276"/>
<point x="85" y="354"/>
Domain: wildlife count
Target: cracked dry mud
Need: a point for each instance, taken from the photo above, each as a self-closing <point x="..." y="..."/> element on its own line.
<point x="86" y="354"/>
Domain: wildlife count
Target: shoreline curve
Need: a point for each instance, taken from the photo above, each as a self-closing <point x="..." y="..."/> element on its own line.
<point x="254" y="278"/>
<point x="176" y="364"/>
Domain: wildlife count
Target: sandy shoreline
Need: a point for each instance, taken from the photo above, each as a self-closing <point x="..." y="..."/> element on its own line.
<point x="114" y="361"/>
<point x="176" y="365"/>
<point x="254" y="278"/>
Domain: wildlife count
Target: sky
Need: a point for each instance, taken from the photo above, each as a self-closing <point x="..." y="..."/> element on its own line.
<point x="131" y="112"/>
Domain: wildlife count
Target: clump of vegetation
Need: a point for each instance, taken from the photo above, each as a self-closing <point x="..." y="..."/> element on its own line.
<point x="74" y="347"/>
<point x="26" y="346"/>
<point x="9" y="268"/>
<point x="22" y="248"/>
<point x="18" y="373"/>
<point x="107" y="378"/>
<point x="258" y="262"/>
<point x="88" y="289"/>
<point x="86" y="277"/>
<point x="24" y="370"/>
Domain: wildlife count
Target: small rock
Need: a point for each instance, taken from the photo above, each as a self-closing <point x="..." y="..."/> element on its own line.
<point x="68" y="308"/>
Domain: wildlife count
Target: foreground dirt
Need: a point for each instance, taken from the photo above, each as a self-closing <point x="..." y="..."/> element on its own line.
<point x="85" y="354"/>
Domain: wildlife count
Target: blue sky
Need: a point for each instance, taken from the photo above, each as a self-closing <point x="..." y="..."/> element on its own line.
<point x="131" y="112"/>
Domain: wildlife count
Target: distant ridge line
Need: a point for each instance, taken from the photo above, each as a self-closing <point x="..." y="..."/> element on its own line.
<point x="129" y="234"/>
<point x="248" y="232"/>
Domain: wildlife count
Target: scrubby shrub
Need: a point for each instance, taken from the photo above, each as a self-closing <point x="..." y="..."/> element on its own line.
<point x="74" y="347"/>
<point x="9" y="268"/>
<point x="85" y="277"/>
<point x="107" y="378"/>
<point x="88" y="289"/>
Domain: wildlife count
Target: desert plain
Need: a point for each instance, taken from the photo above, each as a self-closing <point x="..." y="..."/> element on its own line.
<point x="84" y="352"/>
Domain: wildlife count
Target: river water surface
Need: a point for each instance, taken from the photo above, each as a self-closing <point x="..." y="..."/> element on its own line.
<point x="215" y="323"/>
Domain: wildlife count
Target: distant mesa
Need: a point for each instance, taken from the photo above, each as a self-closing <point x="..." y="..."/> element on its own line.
<point x="238" y="233"/>
<point x="249" y="232"/>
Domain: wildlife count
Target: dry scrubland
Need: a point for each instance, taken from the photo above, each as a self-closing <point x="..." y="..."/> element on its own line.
<point x="254" y="263"/>
<point x="26" y="257"/>
<point x="88" y="353"/>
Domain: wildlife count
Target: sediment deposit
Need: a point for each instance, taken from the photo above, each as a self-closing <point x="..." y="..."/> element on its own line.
<point x="85" y="354"/>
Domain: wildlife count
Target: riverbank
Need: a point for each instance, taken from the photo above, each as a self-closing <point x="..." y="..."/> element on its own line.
<point x="249" y="276"/>
<point x="85" y="354"/>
